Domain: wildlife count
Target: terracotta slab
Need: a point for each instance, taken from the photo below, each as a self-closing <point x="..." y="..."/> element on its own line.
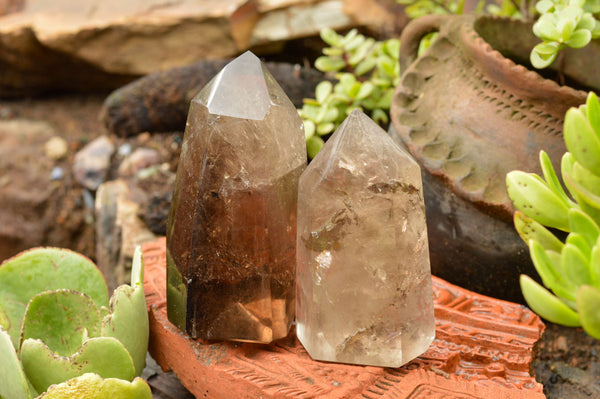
<point x="483" y="349"/>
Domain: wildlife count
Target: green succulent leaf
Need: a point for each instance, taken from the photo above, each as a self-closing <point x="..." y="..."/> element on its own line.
<point x="128" y="318"/>
<point x="365" y="66"/>
<point x="548" y="264"/>
<point x="575" y="265"/>
<point x="105" y="356"/>
<point x="580" y="38"/>
<point x="548" y="306"/>
<point x="532" y="196"/>
<point x="314" y="145"/>
<point x="45" y="269"/>
<point x="540" y="59"/>
<point x="588" y="298"/>
<point x="592" y="107"/>
<point x="586" y="179"/>
<point x="14" y="382"/>
<point x="529" y="229"/>
<point x="325" y="128"/>
<point x="62" y="319"/>
<point x="545" y="28"/>
<point x="329" y="64"/>
<point x="552" y="179"/>
<point x="92" y="386"/>
<point x="330" y="37"/>
<point x="323" y="90"/>
<point x="581" y="223"/>
<point x="582" y="140"/>
<point x="309" y="128"/>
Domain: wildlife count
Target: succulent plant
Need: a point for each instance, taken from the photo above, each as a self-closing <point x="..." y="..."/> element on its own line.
<point x="569" y="269"/>
<point x="562" y="23"/>
<point x="57" y="324"/>
<point x="371" y="73"/>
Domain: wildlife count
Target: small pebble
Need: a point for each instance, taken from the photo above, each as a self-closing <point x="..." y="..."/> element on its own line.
<point x="56" y="148"/>
<point x="140" y="159"/>
<point x="92" y="162"/>
<point x="561" y="343"/>
<point x="57" y="173"/>
<point x="124" y="149"/>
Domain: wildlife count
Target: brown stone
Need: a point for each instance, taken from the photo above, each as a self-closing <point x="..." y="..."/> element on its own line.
<point x="483" y="349"/>
<point x="159" y="102"/>
<point x="100" y="44"/>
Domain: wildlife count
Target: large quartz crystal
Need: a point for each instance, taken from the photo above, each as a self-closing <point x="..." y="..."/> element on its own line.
<point x="231" y="236"/>
<point x="364" y="291"/>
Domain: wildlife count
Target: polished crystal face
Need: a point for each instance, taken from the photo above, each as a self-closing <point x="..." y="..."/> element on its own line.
<point x="231" y="237"/>
<point x="364" y="291"/>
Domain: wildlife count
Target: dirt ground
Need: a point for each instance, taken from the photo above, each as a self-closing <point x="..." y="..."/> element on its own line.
<point x="567" y="360"/>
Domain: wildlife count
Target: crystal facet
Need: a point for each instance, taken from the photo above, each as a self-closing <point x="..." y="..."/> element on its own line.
<point x="364" y="291"/>
<point x="231" y="235"/>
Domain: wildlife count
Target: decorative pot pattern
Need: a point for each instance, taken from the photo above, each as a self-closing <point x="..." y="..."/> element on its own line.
<point x="469" y="114"/>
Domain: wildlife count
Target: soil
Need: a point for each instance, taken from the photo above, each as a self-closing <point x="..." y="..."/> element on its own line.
<point x="567" y="360"/>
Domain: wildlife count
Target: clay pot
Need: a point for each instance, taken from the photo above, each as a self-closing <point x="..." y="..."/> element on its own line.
<point x="469" y="113"/>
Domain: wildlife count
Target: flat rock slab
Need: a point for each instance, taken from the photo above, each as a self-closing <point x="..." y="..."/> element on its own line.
<point x="92" y="44"/>
<point x="483" y="349"/>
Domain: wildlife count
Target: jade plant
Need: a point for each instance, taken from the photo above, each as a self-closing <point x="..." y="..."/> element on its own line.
<point x="559" y="23"/>
<point x="60" y="334"/>
<point x="563" y="23"/>
<point x="367" y="71"/>
<point x="569" y="270"/>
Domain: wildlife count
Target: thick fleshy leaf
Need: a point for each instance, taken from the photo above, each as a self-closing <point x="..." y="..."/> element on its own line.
<point x="529" y="229"/>
<point x="330" y="36"/>
<point x="588" y="305"/>
<point x="581" y="223"/>
<point x="580" y="38"/>
<point x="92" y="386"/>
<point x="45" y="269"/>
<point x="581" y="140"/>
<point x="532" y="196"/>
<point x="128" y="320"/>
<point x="585" y="178"/>
<point x="314" y="145"/>
<point x="548" y="264"/>
<point x="323" y="90"/>
<point x="104" y="356"/>
<point x="329" y="64"/>
<point x="552" y="179"/>
<point x="593" y="111"/>
<point x="62" y="319"/>
<point x="541" y="60"/>
<point x="13" y="383"/>
<point x="575" y="265"/>
<point x="542" y="302"/>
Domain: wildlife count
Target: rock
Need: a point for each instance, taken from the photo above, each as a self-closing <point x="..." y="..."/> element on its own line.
<point x="231" y="234"/>
<point x="160" y="102"/>
<point x="139" y="159"/>
<point x="118" y="229"/>
<point x="92" y="162"/>
<point x="56" y="148"/>
<point x="97" y="44"/>
<point x="381" y="17"/>
<point x="364" y="282"/>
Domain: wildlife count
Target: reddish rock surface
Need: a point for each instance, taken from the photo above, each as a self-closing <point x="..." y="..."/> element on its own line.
<point x="483" y="349"/>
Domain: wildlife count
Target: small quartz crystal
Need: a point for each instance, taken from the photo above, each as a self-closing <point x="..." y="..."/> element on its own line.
<point x="364" y="291"/>
<point x="231" y="236"/>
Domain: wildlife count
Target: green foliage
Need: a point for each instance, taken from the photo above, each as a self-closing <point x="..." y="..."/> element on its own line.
<point x="562" y="23"/>
<point x="367" y="72"/>
<point x="56" y="323"/>
<point x="569" y="269"/>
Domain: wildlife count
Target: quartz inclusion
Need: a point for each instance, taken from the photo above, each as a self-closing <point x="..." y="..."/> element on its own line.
<point x="231" y="234"/>
<point x="364" y="291"/>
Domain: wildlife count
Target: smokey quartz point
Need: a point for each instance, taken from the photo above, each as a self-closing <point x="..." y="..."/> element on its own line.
<point x="364" y="291"/>
<point x="231" y="236"/>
